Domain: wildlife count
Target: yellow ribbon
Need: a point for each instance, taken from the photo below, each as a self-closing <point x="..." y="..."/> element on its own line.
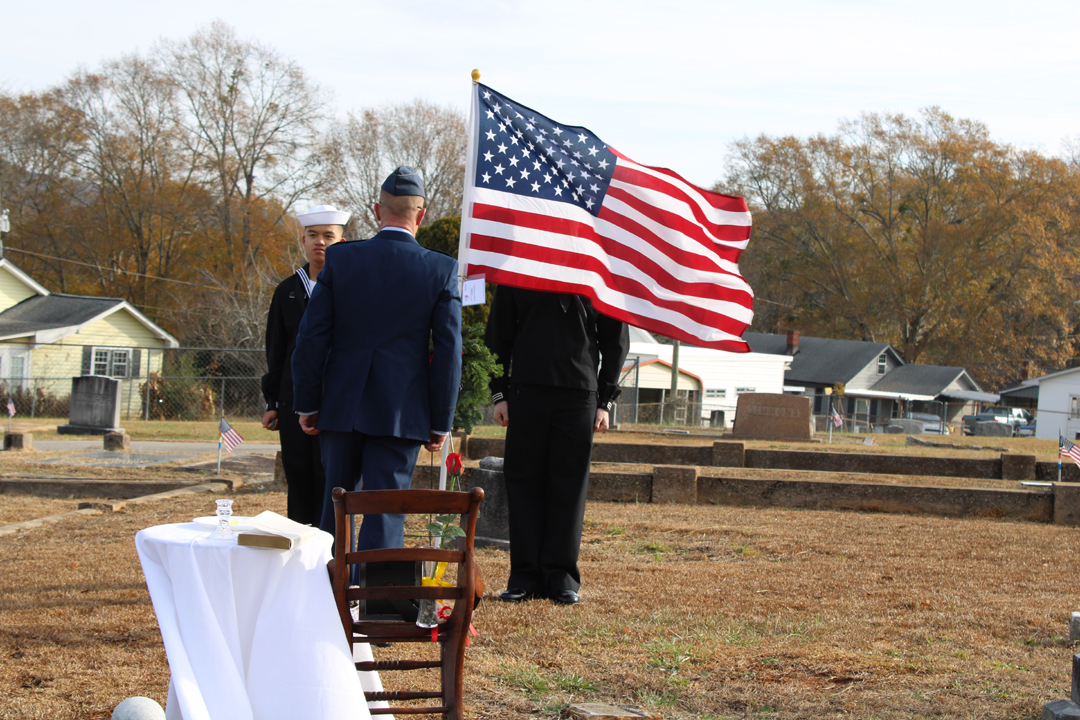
<point x="437" y="580"/>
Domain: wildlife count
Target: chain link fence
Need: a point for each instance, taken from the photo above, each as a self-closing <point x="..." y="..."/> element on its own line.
<point x="155" y="383"/>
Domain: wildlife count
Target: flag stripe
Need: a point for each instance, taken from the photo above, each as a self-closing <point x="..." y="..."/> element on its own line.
<point x="732" y="209"/>
<point x="581" y="269"/>
<point x="641" y="259"/>
<point x="674" y="197"/>
<point x="229" y="437"/>
<point x="526" y="273"/>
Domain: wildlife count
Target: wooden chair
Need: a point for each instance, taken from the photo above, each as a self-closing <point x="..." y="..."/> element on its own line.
<point x="452" y="633"/>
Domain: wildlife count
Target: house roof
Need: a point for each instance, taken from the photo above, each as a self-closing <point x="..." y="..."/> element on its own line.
<point x="55" y="316"/>
<point x="1055" y="374"/>
<point x="25" y="279"/>
<point x="821" y="361"/>
<point x="921" y="379"/>
<point x="666" y="364"/>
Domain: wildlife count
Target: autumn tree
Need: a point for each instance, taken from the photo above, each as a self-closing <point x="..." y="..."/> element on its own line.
<point x="144" y="214"/>
<point x="923" y="233"/>
<point x="39" y="136"/>
<point x="365" y="147"/>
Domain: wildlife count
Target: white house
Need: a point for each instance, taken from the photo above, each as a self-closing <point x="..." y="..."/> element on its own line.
<point x="723" y="376"/>
<point x="1059" y="404"/>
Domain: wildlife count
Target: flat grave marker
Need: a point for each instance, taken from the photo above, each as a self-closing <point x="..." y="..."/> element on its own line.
<point x="104" y="458"/>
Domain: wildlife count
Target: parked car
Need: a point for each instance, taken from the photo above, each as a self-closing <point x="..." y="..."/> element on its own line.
<point x="1015" y="417"/>
<point x="1027" y="430"/>
<point x="932" y="424"/>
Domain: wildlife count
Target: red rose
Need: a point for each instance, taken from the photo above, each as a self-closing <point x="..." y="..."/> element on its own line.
<point x="453" y="464"/>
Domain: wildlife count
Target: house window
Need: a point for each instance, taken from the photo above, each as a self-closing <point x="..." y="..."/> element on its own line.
<point x="1074" y="406"/>
<point x="111" y="362"/>
<point x="716" y="394"/>
<point x="882" y="362"/>
<point x="741" y="390"/>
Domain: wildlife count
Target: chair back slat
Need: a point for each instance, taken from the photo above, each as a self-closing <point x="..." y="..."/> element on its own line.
<point x="404" y="555"/>
<point x="412" y="502"/>
<point x="404" y="592"/>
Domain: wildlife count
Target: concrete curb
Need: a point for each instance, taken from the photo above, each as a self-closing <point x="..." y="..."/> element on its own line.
<point x="97" y="508"/>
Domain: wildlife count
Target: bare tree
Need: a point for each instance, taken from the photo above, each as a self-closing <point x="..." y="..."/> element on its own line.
<point x="363" y="149"/>
<point x="252" y="121"/>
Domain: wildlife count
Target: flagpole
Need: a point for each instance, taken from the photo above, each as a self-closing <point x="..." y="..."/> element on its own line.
<point x="830" y="420"/>
<point x="1059" y="457"/>
<point x="470" y="173"/>
<point x="447" y="448"/>
<point x="219" y="447"/>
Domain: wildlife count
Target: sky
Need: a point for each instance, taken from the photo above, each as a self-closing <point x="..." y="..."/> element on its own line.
<point x="667" y="84"/>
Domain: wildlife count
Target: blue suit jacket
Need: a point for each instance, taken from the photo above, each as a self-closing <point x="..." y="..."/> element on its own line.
<point x="362" y="351"/>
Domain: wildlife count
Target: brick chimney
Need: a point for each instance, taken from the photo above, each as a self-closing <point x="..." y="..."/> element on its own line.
<point x="792" y="342"/>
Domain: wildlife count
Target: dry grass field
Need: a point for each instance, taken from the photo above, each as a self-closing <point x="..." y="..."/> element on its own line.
<point x="688" y="611"/>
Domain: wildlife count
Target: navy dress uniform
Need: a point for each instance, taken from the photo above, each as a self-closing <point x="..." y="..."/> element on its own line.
<point x="561" y="363"/>
<point x="378" y="357"/>
<point x="300" y="454"/>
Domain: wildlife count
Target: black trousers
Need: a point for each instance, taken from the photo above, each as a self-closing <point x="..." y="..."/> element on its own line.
<point x="548" y="449"/>
<point x="304" y="473"/>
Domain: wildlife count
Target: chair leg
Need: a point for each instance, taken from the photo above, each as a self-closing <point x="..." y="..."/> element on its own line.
<point x="453" y="662"/>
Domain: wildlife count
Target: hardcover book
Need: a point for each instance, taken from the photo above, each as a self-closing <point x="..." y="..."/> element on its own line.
<point x="274" y="531"/>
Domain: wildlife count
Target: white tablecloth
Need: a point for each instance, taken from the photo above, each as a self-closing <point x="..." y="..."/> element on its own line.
<point x="250" y="633"/>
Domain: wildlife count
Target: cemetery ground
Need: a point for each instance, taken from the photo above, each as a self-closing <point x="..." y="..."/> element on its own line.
<point x="688" y="611"/>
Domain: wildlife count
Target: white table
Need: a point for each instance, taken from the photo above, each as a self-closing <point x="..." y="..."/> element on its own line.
<point x="250" y="633"/>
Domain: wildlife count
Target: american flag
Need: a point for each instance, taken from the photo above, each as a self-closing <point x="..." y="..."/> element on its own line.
<point x="836" y="419"/>
<point x="229" y="437"/>
<point x="10" y="408"/>
<point x="552" y="207"/>
<point x="1067" y="448"/>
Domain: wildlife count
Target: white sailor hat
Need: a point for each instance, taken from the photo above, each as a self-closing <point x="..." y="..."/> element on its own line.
<point x="324" y="215"/>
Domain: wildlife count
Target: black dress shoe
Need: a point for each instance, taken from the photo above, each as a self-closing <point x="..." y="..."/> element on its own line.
<point x="565" y="597"/>
<point x="517" y="595"/>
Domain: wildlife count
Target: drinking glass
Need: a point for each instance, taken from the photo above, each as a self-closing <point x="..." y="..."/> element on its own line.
<point x="224" y="512"/>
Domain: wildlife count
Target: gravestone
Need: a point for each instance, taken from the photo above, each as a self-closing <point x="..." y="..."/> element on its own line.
<point x="765" y="416"/>
<point x="117" y="442"/>
<point x="94" y="406"/>
<point x="493" y="519"/>
<point x="992" y="429"/>
<point x="905" y="426"/>
<point x="18" y="441"/>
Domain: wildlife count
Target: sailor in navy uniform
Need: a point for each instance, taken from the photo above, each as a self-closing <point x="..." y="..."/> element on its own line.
<point x="323" y="226"/>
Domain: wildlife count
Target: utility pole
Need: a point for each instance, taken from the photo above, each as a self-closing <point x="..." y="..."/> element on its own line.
<point x="673" y="396"/>
<point x="5" y="224"/>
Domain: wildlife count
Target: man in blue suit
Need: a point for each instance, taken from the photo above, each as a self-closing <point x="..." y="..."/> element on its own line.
<point x="378" y="357"/>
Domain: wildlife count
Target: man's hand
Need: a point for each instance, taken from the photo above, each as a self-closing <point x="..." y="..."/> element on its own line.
<point x="502" y="414"/>
<point x="270" y="420"/>
<point x="307" y="423"/>
<point x="601" y="422"/>
<point x="436" y="443"/>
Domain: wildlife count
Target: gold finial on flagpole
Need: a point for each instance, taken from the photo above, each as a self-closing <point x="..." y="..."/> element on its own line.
<point x="475" y="76"/>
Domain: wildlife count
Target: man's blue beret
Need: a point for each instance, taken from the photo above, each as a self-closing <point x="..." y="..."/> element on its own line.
<point x="404" y="181"/>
